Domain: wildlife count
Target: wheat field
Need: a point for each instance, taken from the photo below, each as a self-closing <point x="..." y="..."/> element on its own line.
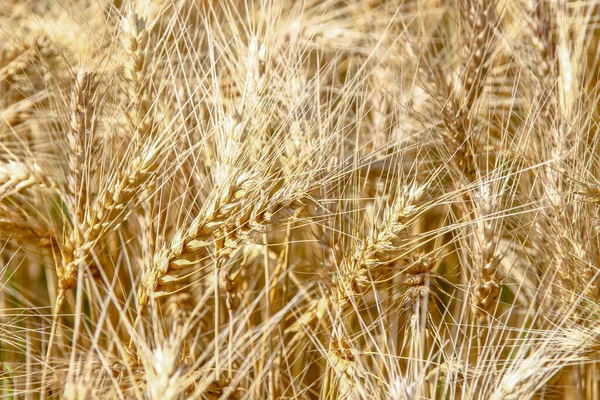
<point x="299" y="199"/>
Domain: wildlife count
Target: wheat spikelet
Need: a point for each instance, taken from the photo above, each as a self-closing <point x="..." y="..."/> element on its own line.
<point x="381" y="246"/>
<point x="346" y="372"/>
<point x="487" y="258"/>
<point x="163" y="372"/>
<point x="108" y="210"/>
<point x="417" y="281"/>
<point x="80" y="136"/>
<point x="224" y="222"/>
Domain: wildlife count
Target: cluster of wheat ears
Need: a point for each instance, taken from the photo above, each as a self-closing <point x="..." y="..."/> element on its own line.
<point x="248" y="199"/>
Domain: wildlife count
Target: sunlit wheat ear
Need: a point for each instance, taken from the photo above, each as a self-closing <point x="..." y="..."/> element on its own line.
<point x="345" y="373"/>
<point x="163" y="370"/>
<point x="109" y="210"/>
<point x="417" y="283"/>
<point x="228" y="218"/>
<point x="458" y="111"/>
<point x="381" y="247"/>
<point x="80" y="138"/>
<point x="137" y="78"/>
<point x="481" y="20"/>
<point x="486" y="257"/>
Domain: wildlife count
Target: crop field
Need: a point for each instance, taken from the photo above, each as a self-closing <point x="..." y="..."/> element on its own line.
<point x="299" y="199"/>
